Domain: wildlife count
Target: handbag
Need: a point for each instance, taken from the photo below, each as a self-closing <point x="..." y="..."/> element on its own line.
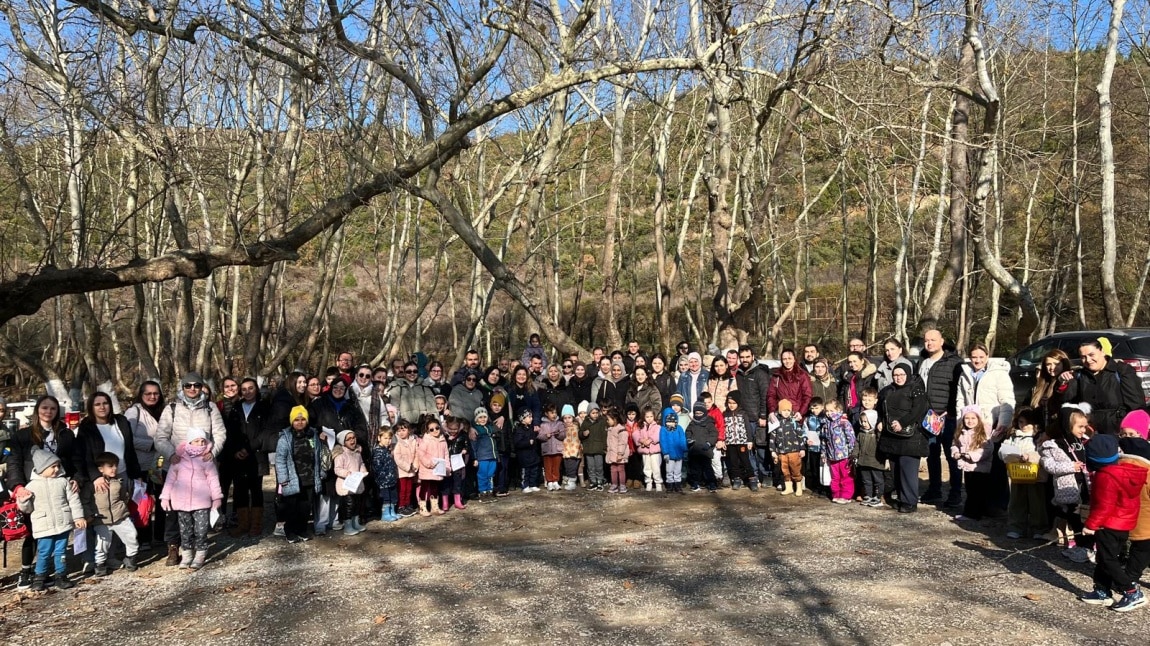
<point x="905" y="431"/>
<point x="934" y="422"/>
<point x="825" y="474"/>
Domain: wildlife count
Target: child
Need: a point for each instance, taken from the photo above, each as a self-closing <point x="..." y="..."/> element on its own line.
<point x="813" y="460"/>
<point x="647" y="443"/>
<point x="441" y="409"/>
<point x="1115" y="500"/>
<point x="788" y="447"/>
<point x="432" y="451"/>
<point x="572" y="449"/>
<point x="346" y="460"/>
<point x="54" y="511"/>
<point x="111" y="513"/>
<point x="406" y="454"/>
<point x="527" y="450"/>
<point x="593" y="434"/>
<point x="551" y="434"/>
<point x="702" y="437"/>
<point x="299" y="462"/>
<point x="869" y="399"/>
<point x="192" y="489"/>
<point x="486" y="455"/>
<point x="716" y="414"/>
<point x="386" y="473"/>
<point x="501" y="430"/>
<point x="1061" y="457"/>
<point x="1027" y="509"/>
<point x="974" y="452"/>
<point x="618" y="450"/>
<point x="839" y="446"/>
<point x="740" y="443"/>
<point x="673" y="443"/>
<point x="870" y="467"/>
<point x="457" y="444"/>
<point x="1136" y="450"/>
<point x="676" y="404"/>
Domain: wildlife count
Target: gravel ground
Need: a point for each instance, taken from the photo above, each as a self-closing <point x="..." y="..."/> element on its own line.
<point x="559" y="568"/>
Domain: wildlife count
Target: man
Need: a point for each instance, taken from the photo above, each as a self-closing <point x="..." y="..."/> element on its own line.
<point x="242" y="460"/>
<point x="752" y="379"/>
<point x="534" y="349"/>
<point x="470" y="365"/>
<point x="939" y="373"/>
<point x="733" y="361"/>
<point x="633" y="353"/>
<point x="396" y="369"/>
<point x="810" y="353"/>
<point x="597" y="354"/>
<point x="1112" y="388"/>
<point x="344" y="362"/>
<point x="692" y="382"/>
<point x="535" y="369"/>
<point x="854" y="345"/>
<point x="411" y="398"/>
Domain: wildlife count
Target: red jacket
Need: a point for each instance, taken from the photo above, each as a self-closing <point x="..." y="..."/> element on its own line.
<point x="1115" y="497"/>
<point x="720" y="423"/>
<point x="793" y="385"/>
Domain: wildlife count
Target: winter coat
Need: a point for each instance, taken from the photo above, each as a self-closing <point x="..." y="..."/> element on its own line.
<point x="593" y="434"/>
<point x="519" y="399"/>
<point x="884" y="373"/>
<point x="971" y="459"/>
<point x="285" y="460"/>
<point x="786" y="435"/>
<point x="432" y="448"/>
<point x="1115" y="496"/>
<point x="383" y="467"/>
<point x="53" y="508"/>
<point x="406" y="454"/>
<point x="825" y="389"/>
<point x="738" y="426"/>
<point x="1113" y="392"/>
<point x="345" y="462"/>
<point x="648" y="433"/>
<point x="719" y="387"/>
<point x="1059" y="463"/>
<point x="716" y="414"/>
<point x="939" y="381"/>
<point x="572" y="447"/>
<point x="463" y="402"/>
<point x="411" y="399"/>
<point x="107" y="507"/>
<point x="838" y="438"/>
<point x="459" y="445"/>
<point x="533" y="351"/>
<point x="193" y="483"/>
<point x="645" y="396"/>
<point x="18" y="463"/>
<point x="906" y="405"/>
<point x="245" y="433"/>
<point x="993" y="393"/>
<point x="794" y="385"/>
<point x="278" y="418"/>
<point x="868" y="453"/>
<point x="526" y="446"/>
<point x="853" y="384"/>
<point x="608" y="392"/>
<point x="551" y="435"/>
<point x="689" y="391"/>
<point x="579" y="390"/>
<point x="1141" y="529"/>
<point x="557" y="395"/>
<point x="673" y="442"/>
<point x="178" y="417"/>
<point x="484" y="444"/>
<point x="666" y="385"/>
<point x="144" y="428"/>
<point x="753" y="385"/>
<point x="343" y="415"/>
<point x="1018" y="444"/>
<point x="372" y="404"/>
<point x="90" y="443"/>
<point x="702" y="435"/>
<point x="618" y="450"/>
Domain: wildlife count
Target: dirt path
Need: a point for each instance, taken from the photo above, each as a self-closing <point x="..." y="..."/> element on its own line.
<point x="563" y="568"/>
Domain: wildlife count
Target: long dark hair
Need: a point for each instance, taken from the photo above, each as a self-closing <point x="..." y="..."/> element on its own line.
<point x="38" y="432"/>
<point x="89" y="407"/>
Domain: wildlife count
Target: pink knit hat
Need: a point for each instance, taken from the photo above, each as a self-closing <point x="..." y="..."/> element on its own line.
<point x="1139" y="421"/>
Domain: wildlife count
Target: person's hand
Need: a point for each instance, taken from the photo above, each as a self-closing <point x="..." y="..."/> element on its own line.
<point x="475" y="463"/>
<point x="472" y="435"/>
<point x="242" y="454"/>
<point x="1087" y="531"/>
<point x="174" y="460"/>
<point x="896" y="426"/>
<point x="81" y="523"/>
<point x="774" y="456"/>
<point x="721" y="445"/>
<point x="23" y="494"/>
<point x="73" y="486"/>
<point x="1079" y="466"/>
<point x="1066" y="376"/>
<point x="802" y="454"/>
<point x="101" y="484"/>
<point x="166" y="504"/>
<point x="322" y="436"/>
<point x="282" y="484"/>
<point x="207" y="456"/>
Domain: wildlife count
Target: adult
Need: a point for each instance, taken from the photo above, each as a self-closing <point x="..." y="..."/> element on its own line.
<point x="312" y="390"/>
<point x="789" y="382"/>
<point x="331" y="415"/>
<point x="859" y="375"/>
<point x="855" y="344"/>
<point x="902" y="406"/>
<point x="289" y="395"/>
<point x="810" y="354"/>
<point x="344" y="363"/>
<point x="720" y="381"/>
<point x="144" y="419"/>
<point x="753" y="380"/>
<point x="1112" y="388"/>
<point x="643" y="393"/>
<point x="634" y="353"/>
<point x="892" y="350"/>
<point x="436" y="380"/>
<point x="985" y="383"/>
<point x="45" y="431"/>
<point x="521" y="394"/>
<point x="190" y="409"/>
<point x="243" y="461"/>
<point x="1049" y="392"/>
<point x="823" y="384"/>
<point x="230" y="394"/>
<point x="101" y="431"/>
<point x="597" y="354"/>
<point x="470" y="364"/>
<point x="370" y="398"/>
<point x="568" y="369"/>
<point x="662" y="378"/>
<point x="693" y="381"/>
<point x="938" y="371"/>
<point x="466" y="397"/>
<point x="411" y="398"/>
<point x="682" y="349"/>
<point x="579" y="386"/>
<point x="552" y="389"/>
<point x="535" y="369"/>
<point x="612" y="391"/>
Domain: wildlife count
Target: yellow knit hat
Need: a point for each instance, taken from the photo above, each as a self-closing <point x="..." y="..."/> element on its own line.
<point x="297" y="412"/>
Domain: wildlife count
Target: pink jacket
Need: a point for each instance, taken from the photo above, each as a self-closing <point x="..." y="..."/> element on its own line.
<point x="345" y="463"/>
<point x="193" y="483"/>
<point x="551" y="436"/>
<point x="430" y="449"/>
<point x="977" y="460"/>
<point x="617" y="449"/>
<point x="649" y="433"/>
<point x="406" y="452"/>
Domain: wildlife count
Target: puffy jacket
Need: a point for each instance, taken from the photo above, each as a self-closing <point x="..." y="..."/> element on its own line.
<point x="1115" y="496"/>
<point x="1113" y="392"/>
<point x="110" y="506"/>
<point x="702" y="433"/>
<point x="993" y="393"/>
<point x="192" y="483"/>
<point x="551" y="435"/>
<point x="868" y="453"/>
<point x="53" y="508"/>
<point x="383" y="467"/>
<point x="940" y="380"/>
<point x="673" y="442"/>
<point x="720" y="387"/>
<point x="838" y="438"/>
<point x="1059" y="463"/>
<point x="526" y="445"/>
<point x="738" y="427"/>
<point x="651" y="433"/>
<point x="1141" y="529"/>
<point x="144" y="428"/>
<point x="572" y="447"/>
<point x="463" y="402"/>
<point x="978" y="459"/>
<point x="412" y="400"/>
<point x="406" y="454"/>
<point x="786" y="435"/>
<point x="484" y="444"/>
<point x="907" y="405"/>
<point x="618" y="450"/>
<point x="285" y="460"/>
<point x="555" y="394"/>
<point x="593" y="434"/>
<point x="179" y="416"/>
<point x="753" y="385"/>
<point x="432" y="448"/>
<point x="793" y="385"/>
<point x="345" y="462"/>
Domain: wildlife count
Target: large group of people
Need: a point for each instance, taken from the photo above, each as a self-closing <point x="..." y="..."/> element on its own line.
<point x="414" y="437"/>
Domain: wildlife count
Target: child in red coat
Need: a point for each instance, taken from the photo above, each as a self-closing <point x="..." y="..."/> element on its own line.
<point x="1115" y="499"/>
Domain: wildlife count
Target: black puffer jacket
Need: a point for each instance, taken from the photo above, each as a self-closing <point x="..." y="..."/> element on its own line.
<point x="246" y="433"/>
<point x="753" y="384"/>
<point x="1113" y="392"/>
<point x="907" y="405"/>
<point x="941" y="381"/>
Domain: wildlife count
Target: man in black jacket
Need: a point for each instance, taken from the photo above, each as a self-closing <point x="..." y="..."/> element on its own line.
<point x="752" y="379"/>
<point x="243" y="461"/>
<point x="939" y="372"/>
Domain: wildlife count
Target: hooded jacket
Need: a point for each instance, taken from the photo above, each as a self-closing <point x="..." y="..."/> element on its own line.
<point x="753" y="384"/>
<point x="406" y="454"/>
<point x="484" y="444"/>
<point x="411" y="399"/>
<point x="593" y="434"/>
<point x="1113" y="392"/>
<point x="432" y="448"/>
<point x="53" y="508"/>
<point x="993" y="393"/>
<point x="793" y="384"/>
<point x="838" y="438"/>
<point x="978" y="459"/>
<point x="648" y="433"/>
<point x="192" y="483"/>
<point x="180" y="415"/>
<point x="526" y="445"/>
<point x="1115" y="496"/>
<point x="345" y="462"/>
<point x="618" y="449"/>
<point x="1141" y="531"/>
<point x="673" y="442"/>
<point x="1059" y="463"/>
<point x="702" y="434"/>
<point x="285" y="460"/>
<point x="551" y="436"/>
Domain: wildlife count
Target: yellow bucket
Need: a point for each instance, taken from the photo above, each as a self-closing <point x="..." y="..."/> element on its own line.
<point x="1023" y="472"/>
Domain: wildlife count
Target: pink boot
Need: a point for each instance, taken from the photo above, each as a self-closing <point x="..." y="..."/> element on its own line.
<point x="459" y="501"/>
<point x="444" y="504"/>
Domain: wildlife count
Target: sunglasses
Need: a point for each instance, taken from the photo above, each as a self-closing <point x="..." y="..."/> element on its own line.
<point x="193" y="385"/>
<point x="567" y="366"/>
<point x="469" y="379"/>
<point x="410" y="372"/>
<point x="379" y="381"/>
<point x="364" y="375"/>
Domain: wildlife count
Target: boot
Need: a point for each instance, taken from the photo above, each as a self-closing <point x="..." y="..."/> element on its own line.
<point x="101" y="569"/>
<point x="349" y="528"/>
<point x="459" y="501"/>
<point x="173" y="555"/>
<point x="435" y="507"/>
<point x="358" y="525"/>
<point x="423" y="507"/>
<point x="243" y="522"/>
<point x="788" y="488"/>
<point x="198" y="559"/>
<point x="389" y="513"/>
<point x="130" y="563"/>
<point x="38" y="583"/>
<point x="185" y="558"/>
<point x="444" y="504"/>
<point x="62" y="582"/>
<point x="799" y="488"/>
<point x="659" y="486"/>
<point x="255" y="521"/>
<point x="753" y="485"/>
<point x="571" y="483"/>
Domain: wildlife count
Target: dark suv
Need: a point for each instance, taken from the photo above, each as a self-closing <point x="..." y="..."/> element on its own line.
<point x="1129" y="345"/>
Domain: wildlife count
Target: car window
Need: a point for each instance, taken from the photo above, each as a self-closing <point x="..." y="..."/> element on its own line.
<point x="1139" y="347"/>
<point x="1033" y="355"/>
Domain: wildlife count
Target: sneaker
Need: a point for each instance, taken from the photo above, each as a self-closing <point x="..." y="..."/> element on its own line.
<point x="694" y="488"/>
<point x="25" y="580"/>
<point x="841" y="501"/>
<point x="1048" y="537"/>
<point x="1098" y="597"/>
<point x="501" y="494"/>
<point x="1090" y="556"/>
<point x="320" y="533"/>
<point x="336" y="526"/>
<point x="534" y="489"/>
<point x="406" y="512"/>
<point x="101" y="569"/>
<point x="302" y="538"/>
<point x="1130" y="600"/>
<point x="526" y="489"/>
<point x="1076" y="554"/>
<point x="292" y="538"/>
<point x="1013" y="535"/>
<point x="876" y="502"/>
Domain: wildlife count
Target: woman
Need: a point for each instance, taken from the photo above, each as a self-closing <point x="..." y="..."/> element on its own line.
<point x="643" y="393"/>
<point x="666" y="383"/>
<point x="436" y="379"/>
<point x="46" y="431"/>
<point x="859" y="375"/>
<point x="521" y="394"/>
<point x="682" y="366"/>
<point x="789" y="382"/>
<point x="144" y="418"/>
<point x="1049" y="392"/>
<point x="823" y="384"/>
<point x="893" y="350"/>
<point x="313" y="390"/>
<point x="579" y="386"/>
<point x="100" y="431"/>
<point x="720" y="381"/>
<point x="231" y="394"/>
<point x="331" y="414"/>
<point x="611" y="390"/>
<point x="492" y="379"/>
<point x="902" y="405"/>
<point x="553" y="389"/>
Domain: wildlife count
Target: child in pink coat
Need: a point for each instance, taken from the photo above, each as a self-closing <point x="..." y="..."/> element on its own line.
<point x="647" y="444"/>
<point x="618" y="451"/>
<point x="406" y="453"/>
<point x="346" y="460"/>
<point x="432" y="448"/>
<point x="192" y="490"/>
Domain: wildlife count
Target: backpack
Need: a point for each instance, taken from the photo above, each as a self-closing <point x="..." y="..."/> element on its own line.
<point x="15" y="525"/>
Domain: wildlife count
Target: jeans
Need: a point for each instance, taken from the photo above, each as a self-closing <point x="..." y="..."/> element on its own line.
<point x="51" y="548"/>
<point x="487" y="475"/>
<point x="761" y="462"/>
<point x="595" y="469"/>
<point x="871" y="480"/>
<point x="939" y="446"/>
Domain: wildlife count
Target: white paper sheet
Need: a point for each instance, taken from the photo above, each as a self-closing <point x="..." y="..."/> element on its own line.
<point x="330" y="433"/>
<point x="354" y="482"/>
<point x="440" y="467"/>
<point x="79" y="541"/>
<point x="457" y="463"/>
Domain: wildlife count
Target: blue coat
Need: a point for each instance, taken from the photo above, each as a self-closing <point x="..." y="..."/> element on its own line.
<point x="673" y="442"/>
<point x="484" y="444"/>
<point x="285" y="464"/>
<point x="685" y="388"/>
<point x="383" y="467"/>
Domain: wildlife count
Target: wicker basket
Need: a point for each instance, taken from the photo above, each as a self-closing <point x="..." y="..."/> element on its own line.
<point x="1023" y="472"/>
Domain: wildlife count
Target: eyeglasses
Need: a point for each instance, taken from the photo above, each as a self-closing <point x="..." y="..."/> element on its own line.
<point x="432" y="428"/>
<point x="469" y="379"/>
<point x="150" y="395"/>
<point x="193" y="386"/>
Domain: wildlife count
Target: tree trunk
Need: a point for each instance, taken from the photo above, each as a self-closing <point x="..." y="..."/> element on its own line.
<point x="1110" y="298"/>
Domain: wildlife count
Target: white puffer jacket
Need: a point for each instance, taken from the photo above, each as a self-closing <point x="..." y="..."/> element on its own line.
<point x="53" y="507"/>
<point x="178" y="417"/>
<point x="993" y="394"/>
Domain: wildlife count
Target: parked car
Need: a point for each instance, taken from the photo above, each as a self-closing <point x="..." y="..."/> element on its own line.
<point x="1129" y="345"/>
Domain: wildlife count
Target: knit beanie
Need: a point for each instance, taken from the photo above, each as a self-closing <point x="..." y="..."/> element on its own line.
<point x="192" y="378"/>
<point x="592" y="406"/>
<point x="786" y="405"/>
<point x="297" y="412"/>
<point x="42" y="459"/>
<point x="499" y="398"/>
<point x="735" y="397"/>
<point x="480" y="412"/>
<point x="1101" y="451"/>
<point x="342" y="436"/>
<point x="970" y="410"/>
<point x="699" y="407"/>
<point x="525" y="413"/>
<point x="195" y="433"/>
<point x="677" y="399"/>
<point x="567" y="411"/>
<point x="1135" y="446"/>
<point x="1138" y="421"/>
<point x="584" y="406"/>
